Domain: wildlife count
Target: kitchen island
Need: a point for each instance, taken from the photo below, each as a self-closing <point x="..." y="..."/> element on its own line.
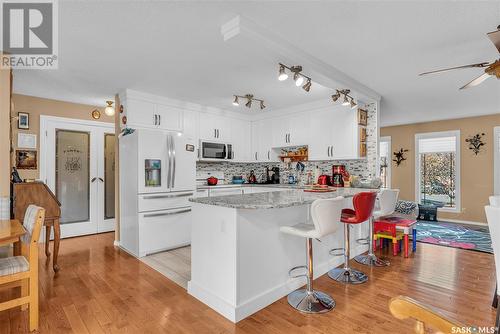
<point x="240" y="259"/>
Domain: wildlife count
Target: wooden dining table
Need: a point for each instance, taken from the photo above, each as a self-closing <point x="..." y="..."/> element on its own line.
<point x="11" y="232"/>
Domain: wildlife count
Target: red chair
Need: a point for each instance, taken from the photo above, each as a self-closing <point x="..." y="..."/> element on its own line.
<point x="363" y="204"/>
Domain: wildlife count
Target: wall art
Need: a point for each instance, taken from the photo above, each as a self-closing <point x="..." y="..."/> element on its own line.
<point x="399" y="156"/>
<point x="475" y="143"/>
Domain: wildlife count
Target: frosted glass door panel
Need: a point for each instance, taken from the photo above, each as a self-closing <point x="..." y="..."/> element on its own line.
<point x="73" y="175"/>
<point x="109" y="176"/>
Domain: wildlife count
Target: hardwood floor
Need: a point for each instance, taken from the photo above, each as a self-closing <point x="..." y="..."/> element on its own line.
<point x="101" y="289"/>
<point x="174" y="264"/>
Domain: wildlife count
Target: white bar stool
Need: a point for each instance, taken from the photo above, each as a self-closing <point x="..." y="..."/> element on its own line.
<point x="387" y="199"/>
<point x="493" y="217"/>
<point x="325" y="214"/>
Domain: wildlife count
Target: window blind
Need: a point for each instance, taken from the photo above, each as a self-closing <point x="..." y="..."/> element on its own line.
<point x="438" y="144"/>
<point x="384" y="149"/>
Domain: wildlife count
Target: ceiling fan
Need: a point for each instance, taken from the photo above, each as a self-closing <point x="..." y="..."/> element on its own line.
<point x="491" y="69"/>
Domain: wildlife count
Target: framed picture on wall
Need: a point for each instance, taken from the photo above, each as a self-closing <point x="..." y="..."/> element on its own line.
<point x="26" y="159"/>
<point x="23" y="121"/>
<point x="362" y="117"/>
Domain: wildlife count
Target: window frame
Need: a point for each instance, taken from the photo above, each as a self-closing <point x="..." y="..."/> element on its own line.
<point x="387" y="139"/>
<point x="440" y="134"/>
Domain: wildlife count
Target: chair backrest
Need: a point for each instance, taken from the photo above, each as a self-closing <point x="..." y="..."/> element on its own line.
<point x="493" y="217"/>
<point x="363" y="204"/>
<point x="33" y="221"/>
<point x="495" y="200"/>
<point x="326" y="214"/>
<point x="387" y="199"/>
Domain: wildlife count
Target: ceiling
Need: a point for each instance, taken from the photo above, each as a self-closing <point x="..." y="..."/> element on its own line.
<point x="176" y="49"/>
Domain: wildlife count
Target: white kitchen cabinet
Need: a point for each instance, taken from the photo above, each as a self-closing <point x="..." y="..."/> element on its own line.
<point x="140" y="113"/>
<point x="240" y="132"/>
<point x="214" y="127"/>
<point x="262" y="142"/>
<point x="169" y="118"/>
<point x="333" y="134"/>
<point x="148" y="114"/>
<point x="291" y="130"/>
<point x="190" y="125"/>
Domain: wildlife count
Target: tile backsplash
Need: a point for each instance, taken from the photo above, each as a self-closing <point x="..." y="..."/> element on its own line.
<point x="365" y="168"/>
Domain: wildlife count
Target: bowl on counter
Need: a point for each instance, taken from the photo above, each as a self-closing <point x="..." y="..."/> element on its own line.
<point x="238" y="181"/>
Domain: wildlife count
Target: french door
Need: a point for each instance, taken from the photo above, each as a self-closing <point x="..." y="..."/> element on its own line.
<point x="77" y="163"/>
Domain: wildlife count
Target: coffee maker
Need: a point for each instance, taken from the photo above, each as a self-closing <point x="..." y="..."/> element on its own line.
<point x="273" y="175"/>
<point x="338" y="172"/>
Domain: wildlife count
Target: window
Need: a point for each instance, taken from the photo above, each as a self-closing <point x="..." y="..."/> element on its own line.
<point x="437" y="179"/>
<point x="385" y="161"/>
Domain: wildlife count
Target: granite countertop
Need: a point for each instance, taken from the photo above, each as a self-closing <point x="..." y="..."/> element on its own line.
<point x="267" y="185"/>
<point x="275" y="199"/>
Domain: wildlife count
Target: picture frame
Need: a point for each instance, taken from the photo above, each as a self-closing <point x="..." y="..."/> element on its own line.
<point x="362" y="117"/>
<point x="26" y="141"/>
<point x="362" y="150"/>
<point x="26" y="159"/>
<point x="362" y="134"/>
<point x="23" y="120"/>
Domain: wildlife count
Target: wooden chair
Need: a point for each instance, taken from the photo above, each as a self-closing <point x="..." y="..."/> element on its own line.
<point x="23" y="270"/>
<point x="426" y="317"/>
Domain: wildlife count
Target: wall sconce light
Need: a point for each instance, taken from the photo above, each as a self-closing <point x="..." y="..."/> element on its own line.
<point x="109" y="110"/>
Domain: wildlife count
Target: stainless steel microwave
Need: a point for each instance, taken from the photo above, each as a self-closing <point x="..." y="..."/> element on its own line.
<point x="215" y="151"/>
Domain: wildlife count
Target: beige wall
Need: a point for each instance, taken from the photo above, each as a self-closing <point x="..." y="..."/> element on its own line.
<point x="4" y="133"/>
<point x="36" y="106"/>
<point x="476" y="171"/>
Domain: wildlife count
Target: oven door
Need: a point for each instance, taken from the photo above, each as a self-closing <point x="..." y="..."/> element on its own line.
<point x="213" y="150"/>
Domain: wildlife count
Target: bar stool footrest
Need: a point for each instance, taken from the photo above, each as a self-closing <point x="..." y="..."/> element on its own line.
<point x="363" y="241"/>
<point x="292" y="275"/>
<point x="334" y="251"/>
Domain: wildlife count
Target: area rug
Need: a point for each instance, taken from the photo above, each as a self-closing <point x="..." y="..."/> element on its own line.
<point x="471" y="237"/>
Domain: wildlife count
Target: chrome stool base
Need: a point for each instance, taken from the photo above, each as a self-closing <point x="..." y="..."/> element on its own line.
<point x="348" y="276"/>
<point x="371" y="260"/>
<point x="311" y="302"/>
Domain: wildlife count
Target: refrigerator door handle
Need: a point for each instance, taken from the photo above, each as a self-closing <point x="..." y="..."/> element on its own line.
<point x="169" y="161"/>
<point x="168" y="196"/>
<point x="172" y="143"/>
<point x="148" y="215"/>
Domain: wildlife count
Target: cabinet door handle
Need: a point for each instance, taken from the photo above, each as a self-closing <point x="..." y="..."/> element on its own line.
<point x="331" y="150"/>
<point x="159" y="119"/>
<point x="218" y="133"/>
<point x="156" y="119"/>
<point x="166" y="213"/>
<point x="215" y="133"/>
<point x="268" y="155"/>
<point x="328" y="151"/>
<point x="255" y="156"/>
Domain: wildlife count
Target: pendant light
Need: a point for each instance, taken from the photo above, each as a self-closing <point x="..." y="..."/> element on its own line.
<point x="109" y="110"/>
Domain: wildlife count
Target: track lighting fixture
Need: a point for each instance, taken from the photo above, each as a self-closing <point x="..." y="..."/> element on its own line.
<point x="347" y="101"/>
<point x="236" y="102"/>
<point x="250" y="99"/>
<point x="298" y="76"/>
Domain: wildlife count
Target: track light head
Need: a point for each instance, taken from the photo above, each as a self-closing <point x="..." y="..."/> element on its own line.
<point x="236" y="102"/>
<point x="353" y="104"/>
<point x="299" y="79"/>
<point x="249" y="103"/>
<point x="282" y="76"/>
<point x="262" y="106"/>
<point x="336" y="96"/>
<point x="307" y="86"/>
<point x="346" y="101"/>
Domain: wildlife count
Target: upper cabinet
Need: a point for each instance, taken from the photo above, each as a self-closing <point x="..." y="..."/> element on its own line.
<point x="333" y="134"/>
<point x="241" y="140"/>
<point x="292" y="130"/>
<point x="148" y="114"/>
<point x="214" y="127"/>
<point x="262" y="142"/>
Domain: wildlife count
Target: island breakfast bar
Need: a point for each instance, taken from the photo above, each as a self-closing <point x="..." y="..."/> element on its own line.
<point x="239" y="258"/>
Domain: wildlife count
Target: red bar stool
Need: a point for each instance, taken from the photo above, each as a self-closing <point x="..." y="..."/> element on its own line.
<point x="363" y="208"/>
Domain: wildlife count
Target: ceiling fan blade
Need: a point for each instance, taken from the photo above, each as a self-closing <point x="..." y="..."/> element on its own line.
<point x="485" y="64"/>
<point x="494" y="37"/>
<point x="477" y="80"/>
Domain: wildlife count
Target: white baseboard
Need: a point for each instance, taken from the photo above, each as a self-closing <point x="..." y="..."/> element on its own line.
<point x="235" y="313"/>
<point x="116" y="243"/>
